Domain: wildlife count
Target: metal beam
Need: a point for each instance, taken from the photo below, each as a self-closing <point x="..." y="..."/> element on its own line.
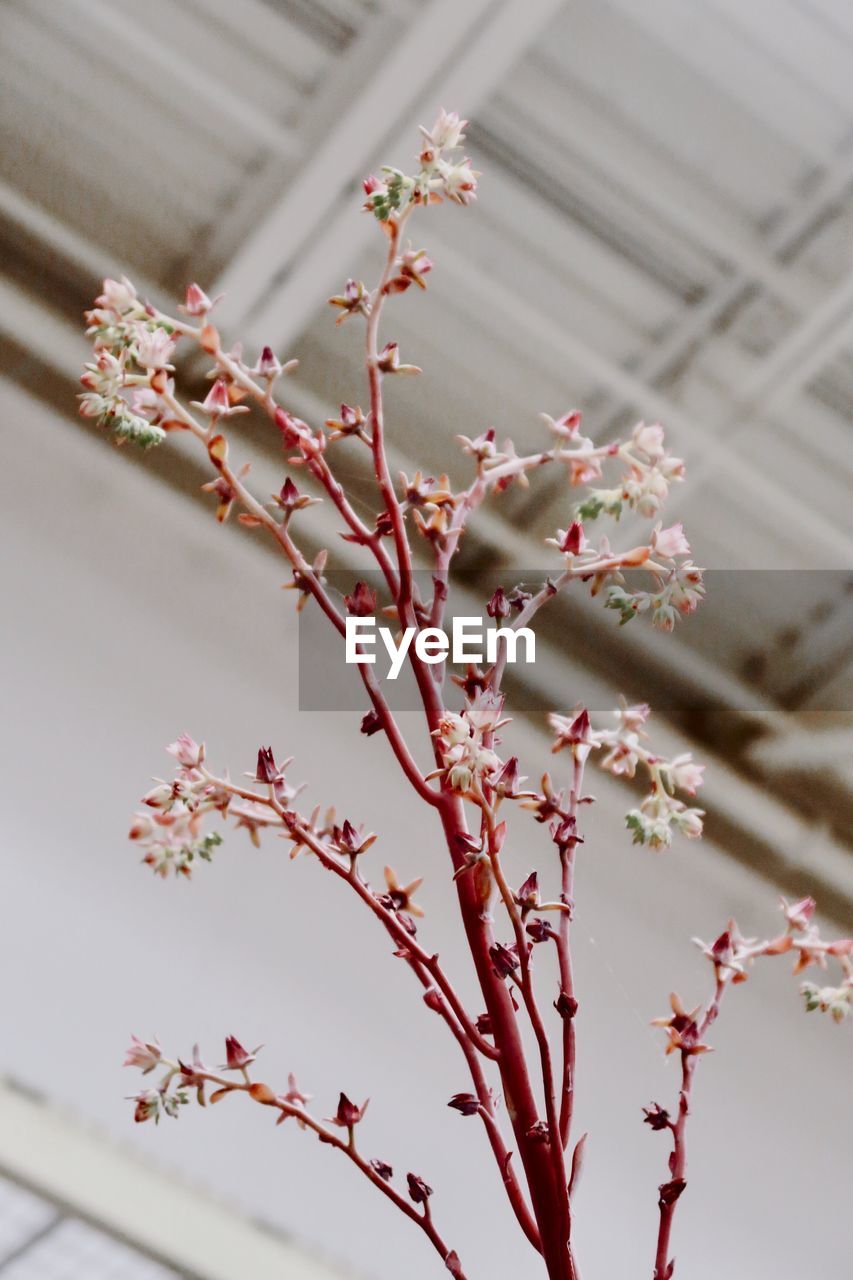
<point x="707" y="447"/>
<point x="135" y="40"/>
<point x="112" y="1189"/>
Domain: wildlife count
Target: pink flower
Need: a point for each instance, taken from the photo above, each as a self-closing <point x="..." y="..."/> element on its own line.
<point x="670" y="542"/>
<point x="217" y="401"/>
<point x="197" y="302"/>
<point x="799" y="914"/>
<point x="459" y="182"/>
<point x="141" y="828"/>
<point x="573" y="732"/>
<point x="117" y="295"/>
<point x="186" y="751"/>
<point x="447" y="132"/>
<point x="648" y="438"/>
<point x="145" y="1054"/>
<point x="237" y="1058"/>
<point x="154" y="348"/>
<point x="268" y="365"/>
<point x="159" y="797"/>
<point x="572" y="540"/>
<point x="348" y="1114"/>
<point x="686" y="773"/>
<point x="147" y="1106"/>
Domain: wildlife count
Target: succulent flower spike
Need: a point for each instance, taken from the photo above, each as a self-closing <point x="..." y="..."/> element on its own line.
<point x="401" y="894"/>
<point x="523" y="1049"/>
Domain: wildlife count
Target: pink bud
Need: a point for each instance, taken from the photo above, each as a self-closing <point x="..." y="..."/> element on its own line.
<point x="197" y="302"/>
<point x="237" y="1058"/>
<point x="573" y="540"/>
<point x="266" y="770"/>
<point x="187" y="752"/>
<point x="217" y="400"/>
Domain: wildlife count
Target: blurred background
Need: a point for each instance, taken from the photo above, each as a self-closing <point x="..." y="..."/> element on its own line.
<point x="664" y="231"/>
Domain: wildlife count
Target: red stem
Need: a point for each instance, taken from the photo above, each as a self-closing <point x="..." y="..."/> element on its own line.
<point x="664" y="1265"/>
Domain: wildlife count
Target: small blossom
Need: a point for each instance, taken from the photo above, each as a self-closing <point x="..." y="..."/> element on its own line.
<point x="267" y="770"/>
<point x="573" y="732"/>
<point x="197" y="302"/>
<point x="566" y="1006"/>
<point x="682" y="1029"/>
<point x="361" y="602"/>
<point x="147" y="1106"/>
<point x="539" y="930"/>
<point x="571" y="541"/>
<point x="507" y="780"/>
<point x="348" y="1114"/>
<point x="685" y="773"/>
<point x="447" y="132"/>
<point x="117" y="295"/>
<point x="154" y="348"/>
<point x="187" y="752"/>
<point x="144" y="1054"/>
<point x="413" y="266"/>
<point x="799" y="914"/>
<point x="237" y="1058"/>
<point x="290" y="499"/>
<point x="467" y="1104"/>
<point x="648" y="438"/>
<point x="268" y="365"/>
<point x="656" y="1117"/>
<point x="350" y="423"/>
<point x="419" y="1192"/>
<point x="670" y="1191"/>
<point x="351" y="841"/>
<point x="504" y="959"/>
<point x="383" y="1169"/>
<point x="527" y="895"/>
<point x="670" y="542"/>
<point x="370" y="724"/>
<point x="353" y="301"/>
<point x="400" y="895"/>
<point x="217" y="403"/>
<point x="388" y="360"/>
<point x="498" y="607"/>
<point x="459" y="182"/>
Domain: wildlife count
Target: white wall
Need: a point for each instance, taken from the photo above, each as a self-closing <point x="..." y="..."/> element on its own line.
<point x="129" y="617"/>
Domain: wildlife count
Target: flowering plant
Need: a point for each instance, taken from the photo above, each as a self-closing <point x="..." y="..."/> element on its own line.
<point x="131" y="387"/>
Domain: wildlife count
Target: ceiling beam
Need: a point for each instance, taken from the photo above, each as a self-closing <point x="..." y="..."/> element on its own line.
<point x="114" y="1190"/>
<point x="451" y="55"/>
<point x="708" y="447"/>
<point x="136" y="40"/>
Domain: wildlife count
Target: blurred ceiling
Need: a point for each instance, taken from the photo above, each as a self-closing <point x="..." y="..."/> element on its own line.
<point x="665" y="231"/>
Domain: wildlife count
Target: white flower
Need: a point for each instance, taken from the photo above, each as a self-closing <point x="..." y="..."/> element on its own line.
<point x="145" y="1054"/>
<point x="484" y="710"/>
<point x="154" y="348"/>
<point x="686" y="773"/>
<point x="118" y="295"/>
<point x="446" y="133"/>
<point x="648" y="438"/>
<point x="670" y="542"/>
<point x="459" y="182"/>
